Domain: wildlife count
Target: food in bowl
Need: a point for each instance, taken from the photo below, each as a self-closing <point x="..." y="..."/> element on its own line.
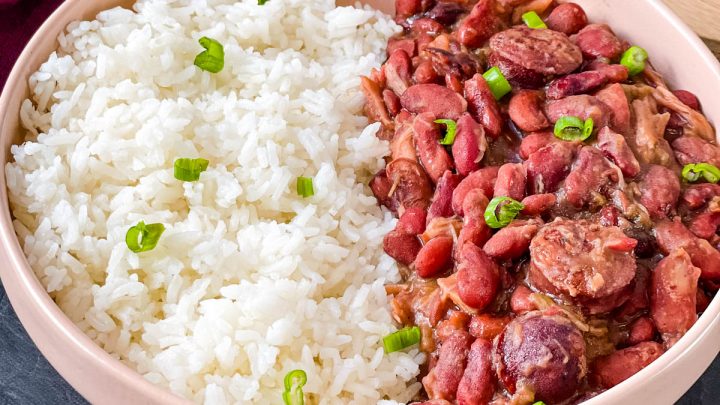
<point x="156" y="198"/>
<point x="558" y="204"/>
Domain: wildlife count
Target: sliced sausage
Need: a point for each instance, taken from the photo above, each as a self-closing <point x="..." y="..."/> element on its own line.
<point x="483" y="106"/>
<point x="542" y="351"/>
<point x="544" y="51"/>
<point x="512" y="241"/>
<point x="469" y="146"/>
<point x="673" y="295"/>
<point x="590" y="179"/>
<point x="525" y="110"/>
<point x="478" y="277"/>
<point x="483" y="180"/>
<point x="441" y="205"/>
<point x="518" y="76"/>
<point x="598" y="41"/>
<point x="477" y="385"/>
<point x="617" y="367"/>
<point x="567" y="18"/>
<point x="433" y="156"/>
<point x="659" y="191"/>
<point x="435" y="99"/>
<point x="615" y="148"/>
<point x="583" y="259"/>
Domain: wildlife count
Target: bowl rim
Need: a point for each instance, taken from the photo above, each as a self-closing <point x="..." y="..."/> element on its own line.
<point x="114" y="377"/>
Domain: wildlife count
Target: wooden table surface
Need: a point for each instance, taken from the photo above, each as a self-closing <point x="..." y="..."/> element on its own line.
<point x="703" y="16"/>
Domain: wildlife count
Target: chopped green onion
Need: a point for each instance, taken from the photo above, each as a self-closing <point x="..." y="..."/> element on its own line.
<point x="401" y="339"/>
<point x="694" y="171"/>
<point x="294" y="381"/>
<point x="305" y="187"/>
<point x="573" y="128"/>
<point x="533" y="20"/>
<point x="634" y="59"/>
<point x="142" y="238"/>
<point x="451" y="130"/>
<point x="497" y="82"/>
<point x="262" y="2"/>
<point x="212" y="58"/>
<point x="187" y="169"/>
<point x="539" y="403"/>
<point x="507" y="213"/>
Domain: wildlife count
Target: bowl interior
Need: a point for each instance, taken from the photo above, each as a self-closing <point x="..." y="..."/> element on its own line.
<point x="674" y="50"/>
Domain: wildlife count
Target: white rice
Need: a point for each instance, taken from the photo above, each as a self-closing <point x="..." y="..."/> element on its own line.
<point x="249" y="281"/>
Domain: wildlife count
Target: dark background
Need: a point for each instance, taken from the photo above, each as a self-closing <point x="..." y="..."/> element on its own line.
<point x="25" y="375"/>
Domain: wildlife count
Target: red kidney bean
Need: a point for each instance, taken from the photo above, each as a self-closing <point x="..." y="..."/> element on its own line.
<point x="538" y="204"/>
<point x="458" y="64"/>
<point x="673" y="235"/>
<point x="659" y="191"/>
<point x="544" y="51"/>
<point x="438" y="100"/>
<point x="469" y="146"/>
<point x="474" y="230"/>
<point x="705" y="225"/>
<point x="398" y="71"/>
<point x="590" y="176"/>
<point x="581" y="106"/>
<point x="567" y="18"/>
<point x="547" y="167"/>
<point x="512" y="241"/>
<point x="427" y="26"/>
<point x="425" y="73"/>
<point x="691" y="149"/>
<point x="477" y="385"/>
<point x="434" y="257"/>
<point x="392" y="102"/>
<point x="453" y="83"/>
<point x="483" y="180"/>
<point x="374" y="105"/>
<point x="543" y="351"/>
<point x="442" y="381"/>
<point x="638" y="300"/>
<point x="616" y="104"/>
<point x="412" y="185"/>
<point x="697" y="195"/>
<point x="406" y="8"/>
<point x="617" y="367"/>
<point x="525" y="110"/>
<point x="406" y="44"/>
<point x="441" y="205"/>
<point x="482" y="105"/>
<point x="402" y="247"/>
<point x="478" y="277"/>
<point x="641" y="330"/>
<point x="578" y="83"/>
<point x="688" y="98"/>
<point x="703" y="301"/>
<point x="673" y="295"/>
<point x="446" y="13"/>
<point x="479" y="25"/>
<point x="412" y="221"/>
<point x="484" y="326"/>
<point x="521" y="300"/>
<point x="615" y="148"/>
<point x="534" y="142"/>
<point x="432" y="155"/>
<point x="598" y="41"/>
<point x="510" y="181"/>
<point x="613" y="73"/>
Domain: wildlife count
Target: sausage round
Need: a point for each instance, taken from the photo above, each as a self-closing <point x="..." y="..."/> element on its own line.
<point x="544" y="51"/>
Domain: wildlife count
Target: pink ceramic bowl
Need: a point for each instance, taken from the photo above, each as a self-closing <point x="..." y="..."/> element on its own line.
<point x="675" y="51"/>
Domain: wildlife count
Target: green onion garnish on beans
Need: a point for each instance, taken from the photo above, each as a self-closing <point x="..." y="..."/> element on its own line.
<point x="533" y="20"/>
<point x="450" y="131"/>
<point x="539" y="403"/>
<point x="497" y="218"/>
<point x="189" y="169"/>
<point x="497" y="82"/>
<point x="693" y="172"/>
<point x="294" y="381"/>
<point x="305" y="187"/>
<point x="634" y="59"/>
<point x="262" y="2"/>
<point x="212" y="59"/>
<point x="142" y="237"/>
<point x="573" y="128"/>
<point x="401" y="339"/>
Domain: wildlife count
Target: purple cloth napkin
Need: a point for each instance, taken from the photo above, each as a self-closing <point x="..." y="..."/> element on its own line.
<point x="19" y="19"/>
